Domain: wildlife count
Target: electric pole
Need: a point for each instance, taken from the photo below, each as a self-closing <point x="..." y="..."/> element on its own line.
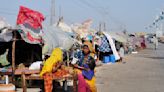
<point x="100" y="26"/>
<point x="104" y="26"/>
<point x="52" y="17"/>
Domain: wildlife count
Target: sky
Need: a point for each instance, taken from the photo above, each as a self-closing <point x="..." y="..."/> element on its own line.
<point x="132" y="15"/>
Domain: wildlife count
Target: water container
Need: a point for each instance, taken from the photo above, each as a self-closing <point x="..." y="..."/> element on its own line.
<point x="112" y="58"/>
<point x="106" y="59"/>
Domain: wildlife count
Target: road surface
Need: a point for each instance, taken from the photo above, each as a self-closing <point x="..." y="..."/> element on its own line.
<point x="142" y="72"/>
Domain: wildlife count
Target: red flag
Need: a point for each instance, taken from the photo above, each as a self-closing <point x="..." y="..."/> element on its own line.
<point x="31" y="17"/>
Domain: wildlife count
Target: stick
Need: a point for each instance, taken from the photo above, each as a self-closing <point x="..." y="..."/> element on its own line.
<point x="13" y="57"/>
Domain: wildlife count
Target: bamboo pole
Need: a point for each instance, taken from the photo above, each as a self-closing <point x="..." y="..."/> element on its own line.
<point x="13" y="57"/>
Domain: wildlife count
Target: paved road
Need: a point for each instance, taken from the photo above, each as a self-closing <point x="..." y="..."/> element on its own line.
<point x="142" y="72"/>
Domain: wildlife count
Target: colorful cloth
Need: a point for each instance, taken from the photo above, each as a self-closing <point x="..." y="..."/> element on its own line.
<point x="90" y="46"/>
<point x="104" y="46"/>
<point x="56" y="56"/>
<point x="86" y="78"/>
<point x="88" y="74"/>
<point x="85" y="85"/>
<point x="80" y="56"/>
<point x="82" y="85"/>
<point x="29" y="36"/>
<point x="31" y="17"/>
<point x="3" y="59"/>
<point x="48" y="80"/>
<point x="112" y="45"/>
<point x="92" y="84"/>
<point x="30" y="22"/>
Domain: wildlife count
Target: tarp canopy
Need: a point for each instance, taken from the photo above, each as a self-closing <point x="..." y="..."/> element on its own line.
<point x="64" y="27"/>
<point x="5" y="33"/>
<point x="55" y="37"/>
<point x="112" y="45"/>
<point x="29" y="34"/>
<point x="82" y="29"/>
<point x="118" y="37"/>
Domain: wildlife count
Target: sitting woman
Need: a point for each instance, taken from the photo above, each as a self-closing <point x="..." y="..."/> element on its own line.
<point x="85" y="69"/>
<point x="50" y="66"/>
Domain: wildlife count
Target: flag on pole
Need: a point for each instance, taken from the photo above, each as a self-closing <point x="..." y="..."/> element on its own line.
<point x="30" y="24"/>
<point x="31" y="17"/>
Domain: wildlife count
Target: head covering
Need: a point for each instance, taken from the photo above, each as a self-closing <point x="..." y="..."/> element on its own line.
<point x="90" y="46"/>
<point x="56" y="56"/>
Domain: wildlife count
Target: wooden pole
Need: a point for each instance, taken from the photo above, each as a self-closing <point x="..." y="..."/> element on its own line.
<point x="67" y="58"/>
<point x="24" y="86"/>
<point x="13" y="57"/>
<point x="52" y="17"/>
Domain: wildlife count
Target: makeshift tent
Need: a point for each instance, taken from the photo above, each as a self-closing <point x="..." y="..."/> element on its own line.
<point x="112" y="45"/>
<point x="82" y="29"/>
<point x="53" y="37"/>
<point x="24" y="52"/>
<point x="64" y="27"/>
<point x="118" y="37"/>
<point x="29" y="34"/>
<point x="5" y="33"/>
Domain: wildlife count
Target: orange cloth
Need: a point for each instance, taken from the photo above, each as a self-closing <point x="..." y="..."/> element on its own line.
<point x="48" y="80"/>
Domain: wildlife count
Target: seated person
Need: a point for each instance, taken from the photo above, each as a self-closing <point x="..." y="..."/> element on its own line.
<point x="48" y="68"/>
<point x="85" y="69"/>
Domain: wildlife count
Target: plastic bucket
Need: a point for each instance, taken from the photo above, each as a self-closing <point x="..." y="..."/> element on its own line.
<point x="106" y="59"/>
<point x="112" y="59"/>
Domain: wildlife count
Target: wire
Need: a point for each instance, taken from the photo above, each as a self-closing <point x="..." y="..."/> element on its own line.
<point x="101" y="11"/>
<point x="8" y="13"/>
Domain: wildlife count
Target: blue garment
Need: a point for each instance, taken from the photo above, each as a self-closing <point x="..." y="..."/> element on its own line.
<point x="90" y="37"/>
<point x="88" y="74"/>
<point x="80" y="56"/>
<point x="104" y="46"/>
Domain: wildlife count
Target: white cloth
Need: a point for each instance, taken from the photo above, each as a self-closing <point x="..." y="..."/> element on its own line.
<point x="121" y="51"/>
<point x="115" y="53"/>
<point x="74" y="61"/>
<point x="35" y="65"/>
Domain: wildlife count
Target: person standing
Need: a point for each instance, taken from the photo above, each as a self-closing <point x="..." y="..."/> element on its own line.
<point x="155" y="41"/>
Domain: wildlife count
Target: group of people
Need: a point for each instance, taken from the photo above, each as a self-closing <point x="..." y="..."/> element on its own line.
<point x="84" y="66"/>
<point x="84" y="61"/>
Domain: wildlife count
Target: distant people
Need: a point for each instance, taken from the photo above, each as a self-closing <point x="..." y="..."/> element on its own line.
<point x="155" y="42"/>
<point x="143" y="44"/>
<point x="121" y="52"/>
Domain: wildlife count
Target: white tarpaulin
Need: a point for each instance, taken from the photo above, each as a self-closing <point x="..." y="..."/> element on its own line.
<point x="5" y="34"/>
<point x="64" y="27"/>
<point x="118" y="37"/>
<point x="54" y="37"/>
<point x="82" y="29"/>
